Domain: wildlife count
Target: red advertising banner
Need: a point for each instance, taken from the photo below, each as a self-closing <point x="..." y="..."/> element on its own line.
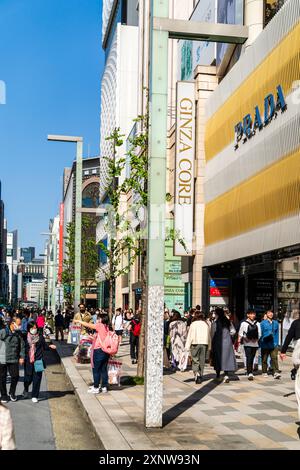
<point x="61" y="242"/>
<point x="219" y="291"/>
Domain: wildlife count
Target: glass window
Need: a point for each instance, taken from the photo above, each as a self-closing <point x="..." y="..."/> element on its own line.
<point x="90" y="196"/>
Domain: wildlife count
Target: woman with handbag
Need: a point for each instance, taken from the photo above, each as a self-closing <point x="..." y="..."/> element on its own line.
<point x="34" y="361"/>
<point x="223" y="357"/>
<point x="105" y="344"/>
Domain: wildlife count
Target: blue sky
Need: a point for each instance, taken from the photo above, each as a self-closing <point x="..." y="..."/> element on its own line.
<point x="51" y="61"/>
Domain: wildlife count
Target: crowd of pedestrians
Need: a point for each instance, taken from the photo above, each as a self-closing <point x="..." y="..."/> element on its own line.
<point x="216" y="338"/>
<point x="22" y="344"/>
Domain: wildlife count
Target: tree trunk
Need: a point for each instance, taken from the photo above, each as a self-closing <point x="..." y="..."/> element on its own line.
<point x="84" y="294"/>
<point x="111" y="300"/>
<point x="111" y="281"/>
<point x="142" y="341"/>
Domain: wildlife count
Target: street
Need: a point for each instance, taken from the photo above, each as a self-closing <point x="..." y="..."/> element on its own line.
<point x="241" y="415"/>
<point x="56" y="422"/>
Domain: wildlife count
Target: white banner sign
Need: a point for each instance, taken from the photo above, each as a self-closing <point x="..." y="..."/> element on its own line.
<point x="184" y="167"/>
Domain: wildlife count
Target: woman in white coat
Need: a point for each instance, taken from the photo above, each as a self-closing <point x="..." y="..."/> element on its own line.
<point x="198" y="342"/>
<point x="7" y="440"/>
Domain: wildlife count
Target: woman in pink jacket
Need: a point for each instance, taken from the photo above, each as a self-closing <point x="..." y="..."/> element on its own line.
<point x="7" y="440"/>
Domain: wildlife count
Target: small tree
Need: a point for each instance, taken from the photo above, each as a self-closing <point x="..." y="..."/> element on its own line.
<point x="117" y="226"/>
<point x="68" y="275"/>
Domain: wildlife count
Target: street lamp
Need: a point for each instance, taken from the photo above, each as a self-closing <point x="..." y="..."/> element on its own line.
<point x="78" y="215"/>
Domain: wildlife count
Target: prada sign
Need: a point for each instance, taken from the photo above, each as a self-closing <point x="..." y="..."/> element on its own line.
<point x="184" y="167"/>
<point x="247" y="128"/>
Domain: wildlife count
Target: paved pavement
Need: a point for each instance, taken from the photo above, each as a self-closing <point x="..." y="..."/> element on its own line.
<point x="57" y="421"/>
<point x="32" y="421"/>
<point x="239" y="415"/>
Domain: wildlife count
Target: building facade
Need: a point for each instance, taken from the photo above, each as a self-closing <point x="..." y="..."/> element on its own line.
<point x="252" y="145"/>
<point x="119" y="107"/>
<point x="90" y="200"/>
<point x="28" y="254"/>
<point x="4" y="273"/>
<point x="12" y="263"/>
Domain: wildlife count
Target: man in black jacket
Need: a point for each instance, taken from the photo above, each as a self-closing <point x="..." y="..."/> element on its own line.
<point x="14" y="356"/>
<point x="293" y="334"/>
<point x="59" y="325"/>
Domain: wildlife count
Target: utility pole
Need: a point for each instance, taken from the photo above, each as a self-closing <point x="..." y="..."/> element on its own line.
<point x="54" y="273"/>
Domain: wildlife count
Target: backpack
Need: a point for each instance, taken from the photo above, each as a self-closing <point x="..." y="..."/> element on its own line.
<point x="40" y="322"/>
<point x="136" y="328"/>
<point x="252" y="332"/>
<point x="111" y="343"/>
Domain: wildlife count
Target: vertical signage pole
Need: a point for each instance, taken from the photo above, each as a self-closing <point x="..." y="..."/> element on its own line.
<point x="158" y="108"/>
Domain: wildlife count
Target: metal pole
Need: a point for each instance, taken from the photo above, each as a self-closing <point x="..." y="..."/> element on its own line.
<point x="48" y="276"/>
<point x="54" y="275"/>
<point x="158" y="92"/>
<point x="78" y="218"/>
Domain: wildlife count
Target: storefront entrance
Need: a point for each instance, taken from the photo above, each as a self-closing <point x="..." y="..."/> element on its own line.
<point x="262" y="282"/>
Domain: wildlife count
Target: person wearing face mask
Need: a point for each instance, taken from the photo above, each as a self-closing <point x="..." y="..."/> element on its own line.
<point x="83" y="316"/>
<point x="34" y="361"/>
<point x="14" y="352"/>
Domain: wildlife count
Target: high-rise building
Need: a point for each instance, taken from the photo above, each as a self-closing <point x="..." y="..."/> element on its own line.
<point x="246" y="212"/>
<point x="28" y="254"/>
<point x="120" y="77"/>
<point x="119" y="98"/>
<point x="4" y="274"/>
<point x="12" y="263"/>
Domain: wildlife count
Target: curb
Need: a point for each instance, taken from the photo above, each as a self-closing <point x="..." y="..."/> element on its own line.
<point x="103" y="426"/>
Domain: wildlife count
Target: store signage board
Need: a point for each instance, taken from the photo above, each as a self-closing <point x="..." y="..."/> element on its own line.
<point x="219" y="291"/>
<point x="289" y="287"/>
<point x="184" y="168"/>
<point x="262" y="117"/>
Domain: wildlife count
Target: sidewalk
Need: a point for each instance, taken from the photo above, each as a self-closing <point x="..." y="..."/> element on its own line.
<point x="239" y="415"/>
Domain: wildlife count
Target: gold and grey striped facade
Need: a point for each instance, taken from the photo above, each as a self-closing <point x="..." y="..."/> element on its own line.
<point x="252" y="193"/>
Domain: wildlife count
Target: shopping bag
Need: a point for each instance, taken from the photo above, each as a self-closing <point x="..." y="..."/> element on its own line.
<point x="75" y="334"/>
<point x="85" y="346"/>
<point x="69" y="340"/>
<point x="183" y="363"/>
<point x="114" y="372"/>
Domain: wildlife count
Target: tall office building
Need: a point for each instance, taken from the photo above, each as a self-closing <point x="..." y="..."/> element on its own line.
<point x="28" y="254"/>
<point x="119" y="99"/>
<point x="120" y="77"/>
<point x="4" y="275"/>
<point x="12" y="263"/>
